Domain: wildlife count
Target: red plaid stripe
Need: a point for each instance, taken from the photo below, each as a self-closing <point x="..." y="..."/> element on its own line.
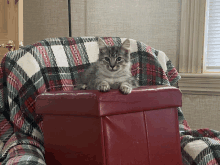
<point x="19" y="119"/>
<point x="14" y="80"/>
<point x="172" y="74"/>
<point x="212" y="162"/>
<point x="151" y="71"/>
<point x="21" y="151"/>
<point x="51" y="85"/>
<point x="76" y="55"/>
<point x="55" y="85"/>
<point x="148" y="49"/>
<point x="44" y="54"/>
<point x="109" y="41"/>
<point x="186" y="126"/>
<point x="42" y="89"/>
<point x="165" y="77"/>
<point x="135" y="69"/>
<point x="71" y="41"/>
<point x="40" y="124"/>
<point x="5" y="126"/>
<point x="30" y="103"/>
<point x="75" y="51"/>
<point x="67" y="84"/>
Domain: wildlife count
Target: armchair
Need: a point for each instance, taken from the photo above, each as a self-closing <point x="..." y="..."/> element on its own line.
<point x="53" y="65"/>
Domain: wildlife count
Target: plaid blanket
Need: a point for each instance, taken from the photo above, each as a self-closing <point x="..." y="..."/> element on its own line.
<point x="54" y="64"/>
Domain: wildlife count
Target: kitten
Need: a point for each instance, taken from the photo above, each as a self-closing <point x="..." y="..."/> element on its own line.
<point x="111" y="71"/>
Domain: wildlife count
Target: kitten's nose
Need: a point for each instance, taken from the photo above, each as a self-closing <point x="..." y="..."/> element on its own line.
<point x="112" y="66"/>
<point x="112" y="63"/>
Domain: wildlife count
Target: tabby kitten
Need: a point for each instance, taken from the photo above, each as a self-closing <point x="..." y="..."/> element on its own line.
<point x="111" y="71"/>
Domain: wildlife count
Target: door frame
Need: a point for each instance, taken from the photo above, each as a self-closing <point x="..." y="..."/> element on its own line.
<point x="20" y="23"/>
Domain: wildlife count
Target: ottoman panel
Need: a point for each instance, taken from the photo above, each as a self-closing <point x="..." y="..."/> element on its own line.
<point x="163" y="136"/>
<point x="125" y="139"/>
<point x="73" y="139"/>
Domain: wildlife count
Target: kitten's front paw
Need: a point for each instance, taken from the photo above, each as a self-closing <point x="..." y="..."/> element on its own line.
<point x="81" y="87"/>
<point x="125" y="88"/>
<point x="104" y="86"/>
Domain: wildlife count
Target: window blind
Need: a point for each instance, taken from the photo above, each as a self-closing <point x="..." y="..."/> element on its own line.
<point x="212" y="36"/>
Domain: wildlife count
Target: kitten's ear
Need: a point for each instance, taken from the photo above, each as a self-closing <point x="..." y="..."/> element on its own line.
<point x="126" y="44"/>
<point x="101" y="43"/>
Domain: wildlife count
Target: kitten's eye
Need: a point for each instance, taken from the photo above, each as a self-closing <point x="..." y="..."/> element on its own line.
<point x="107" y="59"/>
<point x="119" y="59"/>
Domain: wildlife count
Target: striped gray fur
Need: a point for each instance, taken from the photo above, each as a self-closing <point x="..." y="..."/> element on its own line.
<point x="111" y="71"/>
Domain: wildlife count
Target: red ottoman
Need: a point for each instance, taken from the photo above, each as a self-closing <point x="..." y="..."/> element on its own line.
<point x="93" y="128"/>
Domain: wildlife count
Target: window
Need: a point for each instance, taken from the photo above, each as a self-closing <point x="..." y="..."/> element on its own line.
<point x="199" y="57"/>
<point x="212" y="37"/>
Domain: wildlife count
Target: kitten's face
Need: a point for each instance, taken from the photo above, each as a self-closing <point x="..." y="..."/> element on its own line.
<point x="114" y="58"/>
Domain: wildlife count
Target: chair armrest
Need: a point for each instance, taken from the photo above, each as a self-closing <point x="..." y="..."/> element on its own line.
<point x="24" y="154"/>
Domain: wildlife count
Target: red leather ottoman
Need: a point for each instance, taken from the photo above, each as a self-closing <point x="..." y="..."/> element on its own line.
<point x="93" y="128"/>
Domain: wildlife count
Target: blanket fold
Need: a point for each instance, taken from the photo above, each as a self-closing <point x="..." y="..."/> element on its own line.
<point x="55" y="64"/>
